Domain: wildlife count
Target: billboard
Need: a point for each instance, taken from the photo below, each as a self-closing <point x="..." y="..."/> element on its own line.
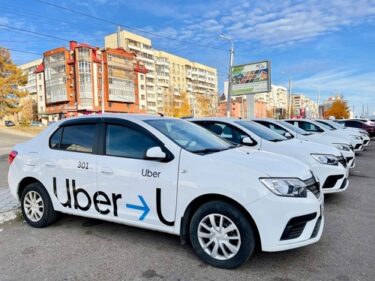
<point x="251" y="78"/>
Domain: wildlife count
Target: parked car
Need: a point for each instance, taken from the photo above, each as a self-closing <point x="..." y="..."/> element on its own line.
<point x="172" y="176"/>
<point x="9" y="123"/>
<point x="326" y="162"/>
<point x="36" y="124"/>
<point x="349" y="131"/>
<point x="316" y="127"/>
<point x="370" y="129"/>
<point x="288" y="130"/>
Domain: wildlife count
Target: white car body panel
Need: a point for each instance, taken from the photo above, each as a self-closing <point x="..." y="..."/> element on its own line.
<point x="233" y="173"/>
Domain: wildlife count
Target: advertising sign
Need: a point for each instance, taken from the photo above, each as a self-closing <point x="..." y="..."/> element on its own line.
<point x="251" y="78"/>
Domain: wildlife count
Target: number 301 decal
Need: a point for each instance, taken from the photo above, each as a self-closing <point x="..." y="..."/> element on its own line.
<point x="83" y="165"/>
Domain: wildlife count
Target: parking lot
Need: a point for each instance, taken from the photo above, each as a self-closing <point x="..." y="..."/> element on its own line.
<point x="77" y="248"/>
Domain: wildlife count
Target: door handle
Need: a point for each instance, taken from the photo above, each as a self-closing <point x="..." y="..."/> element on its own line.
<point x="50" y="164"/>
<point x="107" y="171"/>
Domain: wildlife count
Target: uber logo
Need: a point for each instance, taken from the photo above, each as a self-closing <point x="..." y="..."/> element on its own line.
<point x="99" y="199"/>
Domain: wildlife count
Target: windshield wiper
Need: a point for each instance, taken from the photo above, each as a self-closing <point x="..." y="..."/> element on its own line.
<point x="211" y="150"/>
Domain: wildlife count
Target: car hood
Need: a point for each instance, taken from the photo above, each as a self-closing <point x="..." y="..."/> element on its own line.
<point x="267" y="163"/>
<point x="296" y="147"/>
<point x="328" y="138"/>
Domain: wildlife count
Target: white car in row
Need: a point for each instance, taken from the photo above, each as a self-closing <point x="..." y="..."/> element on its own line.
<point x="173" y="176"/>
<point x="347" y="130"/>
<point x="315" y="127"/>
<point x="326" y="162"/>
<point x="291" y="131"/>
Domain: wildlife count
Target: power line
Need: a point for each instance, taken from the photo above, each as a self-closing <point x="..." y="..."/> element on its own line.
<point x="34" y="32"/>
<point x="127" y="27"/>
<point x="20" y="51"/>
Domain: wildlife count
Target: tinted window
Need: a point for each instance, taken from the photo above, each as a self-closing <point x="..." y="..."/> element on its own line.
<point x="261" y="131"/>
<point x="294" y="128"/>
<point x="54" y="141"/>
<point x="79" y="138"/>
<point x="355" y="124"/>
<point x="128" y="142"/>
<point x="310" y="127"/>
<point x="225" y="131"/>
<point x="273" y="127"/>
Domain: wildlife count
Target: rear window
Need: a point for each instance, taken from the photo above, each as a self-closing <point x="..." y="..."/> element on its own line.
<point x="78" y="138"/>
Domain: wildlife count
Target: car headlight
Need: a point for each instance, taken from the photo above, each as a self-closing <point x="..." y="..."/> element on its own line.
<point x="342" y="146"/>
<point x="355" y="137"/>
<point x="327" y="159"/>
<point x="289" y="187"/>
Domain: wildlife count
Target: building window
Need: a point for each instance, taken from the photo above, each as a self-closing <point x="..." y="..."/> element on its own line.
<point x="142" y="77"/>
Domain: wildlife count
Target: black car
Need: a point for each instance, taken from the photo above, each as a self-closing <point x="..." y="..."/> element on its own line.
<point x="9" y="123"/>
<point x="355" y="123"/>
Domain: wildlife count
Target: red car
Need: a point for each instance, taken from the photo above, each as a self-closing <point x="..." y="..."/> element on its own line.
<point x="369" y="127"/>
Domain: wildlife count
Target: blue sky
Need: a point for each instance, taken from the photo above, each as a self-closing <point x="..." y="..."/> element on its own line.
<point x="326" y="46"/>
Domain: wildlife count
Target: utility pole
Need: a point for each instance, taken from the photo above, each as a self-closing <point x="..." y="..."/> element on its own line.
<point x="290" y="98"/>
<point x="231" y="54"/>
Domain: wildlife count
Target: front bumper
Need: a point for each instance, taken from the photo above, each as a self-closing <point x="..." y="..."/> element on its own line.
<point x="332" y="178"/>
<point x="273" y="215"/>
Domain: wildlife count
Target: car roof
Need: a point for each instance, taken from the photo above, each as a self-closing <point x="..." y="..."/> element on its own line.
<point x="223" y="119"/>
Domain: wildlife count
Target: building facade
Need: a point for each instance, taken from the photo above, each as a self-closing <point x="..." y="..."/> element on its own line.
<point x="304" y="107"/>
<point x="74" y="80"/>
<point x="169" y="76"/>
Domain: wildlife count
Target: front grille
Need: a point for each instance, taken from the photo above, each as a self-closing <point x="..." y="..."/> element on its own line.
<point x="342" y="160"/>
<point x="357" y="146"/>
<point x="351" y="147"/>
<point x="332" y="180"/>
<point x="343" y="183"/>
<point x="366" y="142"/>
<point x="313" y="186"/>
<point x="316" y="228"/>
<point x="295" y="226"/>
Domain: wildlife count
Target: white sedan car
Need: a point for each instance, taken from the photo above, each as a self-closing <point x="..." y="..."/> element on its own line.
<point x="283" y="128"/>
<point x="172" y="176"/>
<point x="321" y="129"/>
<point x="347" y="130"/>
<point x="326" y="162"/>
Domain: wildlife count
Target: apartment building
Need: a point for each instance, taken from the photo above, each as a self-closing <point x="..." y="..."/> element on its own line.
<point x="276" y="101"/>
<point x="74" y="80"/>
<point x="34" y="86"/>
<point x="304" y="107"/>
<point x="168" y="76"/>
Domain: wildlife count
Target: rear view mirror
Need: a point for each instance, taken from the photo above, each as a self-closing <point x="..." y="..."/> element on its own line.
<point x="247" y="141"/>
<point x="155" y="153"/>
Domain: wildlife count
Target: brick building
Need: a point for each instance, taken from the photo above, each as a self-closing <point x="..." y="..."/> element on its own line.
<point x="74" y="80"/>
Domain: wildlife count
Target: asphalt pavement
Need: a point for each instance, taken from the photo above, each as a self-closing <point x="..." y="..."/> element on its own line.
<point x="76" y="248"/>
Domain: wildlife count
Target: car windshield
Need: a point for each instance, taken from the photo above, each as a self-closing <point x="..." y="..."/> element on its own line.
<point x="337" y="125"/>
<point x="189" y="136"/>
<point x="327" y="125"/>
<point x="261" y="131"/>
<point x="294" y="128"/>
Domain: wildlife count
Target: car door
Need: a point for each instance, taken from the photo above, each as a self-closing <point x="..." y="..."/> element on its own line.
<point x="70" y="166"/>
<point x="141" y="191"/>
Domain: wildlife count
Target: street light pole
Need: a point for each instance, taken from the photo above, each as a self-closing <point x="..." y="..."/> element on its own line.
<point x="102" y="83"/>
<point x="231" y="55"/>
<point x="290" y="98"/>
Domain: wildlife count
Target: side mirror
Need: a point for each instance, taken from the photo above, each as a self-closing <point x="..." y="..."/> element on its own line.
<point x="247" y="141"/>
<point x="155" y="153"/>
<point x="288" y="135"/>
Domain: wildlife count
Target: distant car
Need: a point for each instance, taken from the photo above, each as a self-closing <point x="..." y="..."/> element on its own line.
<point x="36" y="124"/>
<point x="370" y="129"/>
<point x="9" y="123"/>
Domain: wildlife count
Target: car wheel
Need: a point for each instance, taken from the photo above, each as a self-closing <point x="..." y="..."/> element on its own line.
<point x="221" y="235"/>
<point x="37" y="208"/>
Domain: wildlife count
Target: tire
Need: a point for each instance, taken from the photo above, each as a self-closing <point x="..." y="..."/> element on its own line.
<point x="35" y="197"/>
<point x="230" y="217"/>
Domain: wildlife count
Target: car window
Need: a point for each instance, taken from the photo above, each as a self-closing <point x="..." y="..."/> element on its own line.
<point x="273" y="127"/>
<point x="78" y="138"/>
<point x="327" y="125"/>
<point x="310" y="127"/>
<point x="294" y="128"/>
<point x="128" y="142"/>
<point x="225" y="131"/>
<point x="190" y="136"/>
<point x="261" y="131"/>
<point x="55" y="139"/>
<point x="355" y="124"/>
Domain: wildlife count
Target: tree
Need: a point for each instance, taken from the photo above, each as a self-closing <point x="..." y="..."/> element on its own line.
<point x="203" y="105"/>
<point x="339" y="109"/>
<point x="27" y="111"/>
<point x="176" y="106"/>
<point x="11" y="77"/>
<point x="184" y="108"/>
